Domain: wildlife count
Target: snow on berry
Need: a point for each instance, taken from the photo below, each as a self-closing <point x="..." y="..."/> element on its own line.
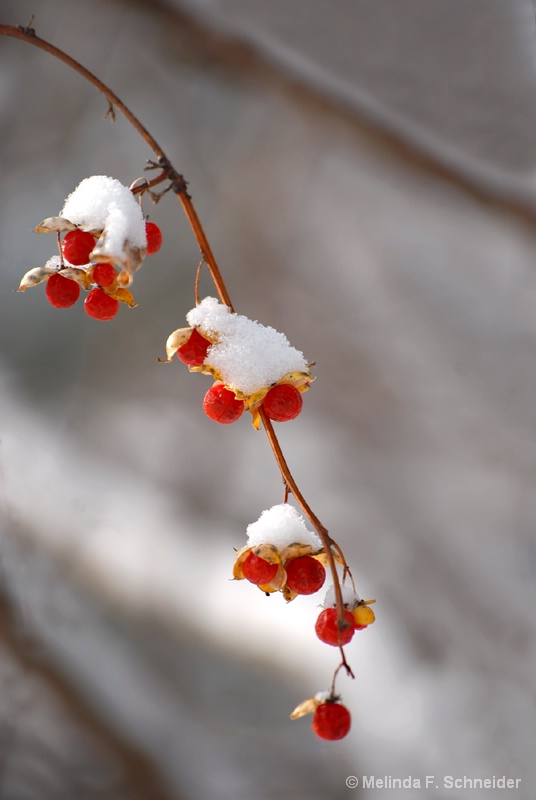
<point x="280" y="536"/>
<point x="248" y="355"/>
<point x="105" y="208"/>
<point x="282" y="525"/>
<point x="249" y="358"/>
<point x="350" y="597"/>
<point x="360" y="610"/>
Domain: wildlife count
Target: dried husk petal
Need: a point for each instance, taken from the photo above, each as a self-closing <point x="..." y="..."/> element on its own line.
<point x="121" y="294"/>
<point x="308" y="706"/>
<point x="79" y="275"/>
<point x="174" y="341"/>
<point x="55" y="225"/>
<point x="363" y="615"/>
<point x="35" y="276"/>
<point x="278" y="581"/>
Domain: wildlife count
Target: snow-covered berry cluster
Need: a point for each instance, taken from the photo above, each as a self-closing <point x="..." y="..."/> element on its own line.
<point x="283" y="555"/>
<point x="105" y="239"/>
<point x="252" y="365"/>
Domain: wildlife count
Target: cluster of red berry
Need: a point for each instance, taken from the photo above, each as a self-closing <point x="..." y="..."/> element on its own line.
<point x="281" y="403"/>
<point x="306" y="575"/>
<point x="102" y="301"/>
<point x="296" y="565"/>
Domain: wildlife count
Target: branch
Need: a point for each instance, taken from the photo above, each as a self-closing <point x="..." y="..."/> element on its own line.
<point x="178" y="185"/>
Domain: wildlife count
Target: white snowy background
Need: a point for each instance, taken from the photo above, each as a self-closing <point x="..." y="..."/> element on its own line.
<point x="365" y="173"/>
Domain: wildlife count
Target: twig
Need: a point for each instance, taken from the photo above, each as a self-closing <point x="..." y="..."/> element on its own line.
<point x="178" y="185"/>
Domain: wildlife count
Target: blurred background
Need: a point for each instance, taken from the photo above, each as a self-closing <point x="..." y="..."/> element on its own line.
<point x="365" y="173"/>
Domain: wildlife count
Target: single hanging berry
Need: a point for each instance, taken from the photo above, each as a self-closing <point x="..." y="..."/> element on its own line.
<point x="104" y="274"/>
<point x="154" y="238"/>
<point x="62" y="292"/>
<point x="305" y="575"/>
<point x="257" y="570"/>
<point x="194" y="351"/>
<point x="283" y="402"/>
<point x="100" y="305"/>
<point x="331" y="721"/>
<point x="221" y="405"/>
<point x="327" y="627"/>
<point x="77" y="246"/>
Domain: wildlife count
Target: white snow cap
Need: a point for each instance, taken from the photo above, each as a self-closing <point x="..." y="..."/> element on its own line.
<point x="100" y="202"/>
<point x="248" y="355"/>
<point x="281" y="525"/>
<point x="350" y="598"/>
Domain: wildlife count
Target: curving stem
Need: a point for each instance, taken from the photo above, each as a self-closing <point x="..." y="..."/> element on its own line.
<point x="178" y="186"/>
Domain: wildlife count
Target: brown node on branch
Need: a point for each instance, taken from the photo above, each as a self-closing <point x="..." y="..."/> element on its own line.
<point x="28" y="30"/>
<point x="110" y="112"/>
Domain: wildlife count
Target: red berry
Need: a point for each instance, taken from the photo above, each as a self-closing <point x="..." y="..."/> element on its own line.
<point x="76" y="247"/>
<point x="194" y="351"/>
<point x="100" y="305"/>
<point x="327" y="627"/>
<point x="257" y="570"/>
<point x="62" y="292"/>
<point x="154" y="238"/>
<point x="331" y="721"/>
<point x="283" y="402"/>
<point x="305" y="575"/>
<point x="221" y="405"/>
<point x="104" y="274"/>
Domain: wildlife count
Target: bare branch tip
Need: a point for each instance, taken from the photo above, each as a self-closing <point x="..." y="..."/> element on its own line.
<point x="28" y="30"/>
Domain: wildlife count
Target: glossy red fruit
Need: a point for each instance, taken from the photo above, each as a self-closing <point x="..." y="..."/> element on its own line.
<point x="76" y="247"/>
<point x="327" y="628"/>
<point x="100" y="305"/>
<point x="154" y="238"/>
<point x="194" y="351"/>
<point x="62" y="292"/>
<point x="331" y="721"/>
<point x="257" y="570"/>
<point x="104" y="274"/>
<point x="305" y="575"/>
<point x="221" y="405"/>
<point x="283" y="402"/>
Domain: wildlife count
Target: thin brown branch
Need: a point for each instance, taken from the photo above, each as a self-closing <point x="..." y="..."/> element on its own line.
<point x="179" y="187"/>
<point x="325" y="538"/>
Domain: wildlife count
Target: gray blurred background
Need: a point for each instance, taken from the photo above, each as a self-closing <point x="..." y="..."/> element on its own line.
<point x="365" y="172"/>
